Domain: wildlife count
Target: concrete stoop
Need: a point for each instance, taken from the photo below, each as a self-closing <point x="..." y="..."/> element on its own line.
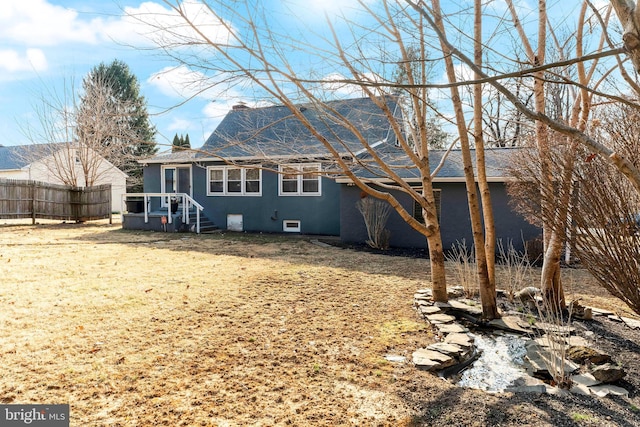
<point x="590" y="371"/>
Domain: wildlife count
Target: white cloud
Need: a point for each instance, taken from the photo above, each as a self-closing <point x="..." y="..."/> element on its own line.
<point x="31" y="60"/>
<point x="168" y="28"/>
<point x="181" y="82"/>
<point x="39" y="23"/>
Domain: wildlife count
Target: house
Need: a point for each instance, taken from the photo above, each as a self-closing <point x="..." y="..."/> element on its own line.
<point x="261" y="170"/>
<point x="59" y="164"/>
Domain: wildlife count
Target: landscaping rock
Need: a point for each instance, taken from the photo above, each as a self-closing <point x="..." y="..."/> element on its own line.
<point x="632" y="323"/>
<point x="455" y="291"/>
<point x="452" y="328"/>
<point x="438" y="318"/>
<point x="431" y="359"/>
<point x="428" y="309"/>
<point x="606" y="389"/>
<point x="448" y="349"/>
<point x="442" y="305"/>
<point x="585" y="379"/>
<point x="527" y="294"/>
<point x="462" y="340"/>
<point x="470" y="309"/>
<point x="509" y="323"/>
<point x="580" y="354"/>
<point x="395" y="358"/>
<point x="608" y="373"/>
<point x="579" y="311"/>
<point x="600" y="311"/>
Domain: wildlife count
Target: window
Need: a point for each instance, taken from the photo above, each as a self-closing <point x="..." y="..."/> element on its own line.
<point x="417" y="209"/>
<point x="291" y="226"/>
<point x="300" y="180"/>
<point x="234" y="181"/>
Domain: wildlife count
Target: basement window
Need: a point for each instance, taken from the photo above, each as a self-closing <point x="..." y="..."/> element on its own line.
<point x="291" y="226"/>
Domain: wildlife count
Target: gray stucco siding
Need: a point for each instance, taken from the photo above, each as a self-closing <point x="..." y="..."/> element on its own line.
<point x="455" y="224"/>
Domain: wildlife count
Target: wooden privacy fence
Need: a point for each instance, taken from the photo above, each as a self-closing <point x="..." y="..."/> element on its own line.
<point x="34" y="199"/>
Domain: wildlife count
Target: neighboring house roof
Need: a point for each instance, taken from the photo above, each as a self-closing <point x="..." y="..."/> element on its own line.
<point x="14" y="157"/>
<point x="18" y="157"/>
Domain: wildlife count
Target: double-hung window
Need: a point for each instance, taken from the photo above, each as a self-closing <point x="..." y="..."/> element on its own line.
<point x="301" y="179"/>
<point x="234" y="181"/>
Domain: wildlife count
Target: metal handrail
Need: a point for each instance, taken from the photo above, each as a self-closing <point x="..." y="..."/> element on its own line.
<point x="187" y="202"/>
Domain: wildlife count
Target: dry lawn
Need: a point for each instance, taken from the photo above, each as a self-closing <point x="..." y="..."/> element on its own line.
<point x="145" y="329"/>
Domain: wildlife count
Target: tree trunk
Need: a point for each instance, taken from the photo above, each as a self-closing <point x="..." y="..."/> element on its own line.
<point x="551" y="284"/>
<point x="629" y="16"/>
<point x="487" y="293"/>
<point x="483" y="184"/>
<point x="436" y="259"/>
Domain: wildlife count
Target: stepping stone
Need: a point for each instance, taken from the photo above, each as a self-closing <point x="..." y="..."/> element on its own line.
<point x="600" y="311"/>
<point x="539" y="389"/>
<point x="452" y="328"/>
<point x="461" y="340"/>
<point x="428" y="292"/>
<point x="586" y="380"/>
<point x="473" y="310"/>
<point x="633" y="323"/>
<point x="442" y="305"/>
<point x="509" y="323"/>
<point x="527" y="384"/>
<point x="582" y="389"/>
<point x="440" y="318"/>
<point x="606" y="389"/>
<point x="446" y="348"/>
<point x="422" y="297"/>
<point x="431" y="360"/>
<point x="428" y="309"/>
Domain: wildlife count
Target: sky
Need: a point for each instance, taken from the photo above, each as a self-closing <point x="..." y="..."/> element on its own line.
<point x="48" y="46"/>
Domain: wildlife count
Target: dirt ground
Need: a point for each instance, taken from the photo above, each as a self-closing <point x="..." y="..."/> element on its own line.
<point x="145" y="329"/>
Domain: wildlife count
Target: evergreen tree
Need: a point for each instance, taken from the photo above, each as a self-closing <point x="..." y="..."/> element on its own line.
<point x="130" y="109"/>
<point x="180" y="143"/>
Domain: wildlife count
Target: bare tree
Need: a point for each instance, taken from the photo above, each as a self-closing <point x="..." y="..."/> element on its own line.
<point x="238" y="46"/>
<point x="629" y="14"/>
<point x="251" y="51"/>
<point x="68" y="143"/>
<point x="607" y="211"/>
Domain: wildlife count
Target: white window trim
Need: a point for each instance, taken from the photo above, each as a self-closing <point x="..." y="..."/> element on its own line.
<point x="291" y="226"/>
<point x="225" y="170"/>
<point x="299" y="167"/>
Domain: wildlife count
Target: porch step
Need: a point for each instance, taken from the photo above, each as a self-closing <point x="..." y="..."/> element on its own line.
<point x="206" y="225"/>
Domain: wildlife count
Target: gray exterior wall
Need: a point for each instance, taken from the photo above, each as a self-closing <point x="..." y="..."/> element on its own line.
<point x="317" y="214"/>
<point x="454" y="219"/>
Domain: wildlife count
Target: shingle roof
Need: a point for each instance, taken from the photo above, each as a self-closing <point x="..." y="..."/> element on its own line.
<point x="276" y="132"/>
<point x="14" y="157"/>
<point x="497" y="162"/>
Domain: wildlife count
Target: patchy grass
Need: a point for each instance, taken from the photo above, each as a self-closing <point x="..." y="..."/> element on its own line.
<point x="142" y="328"/>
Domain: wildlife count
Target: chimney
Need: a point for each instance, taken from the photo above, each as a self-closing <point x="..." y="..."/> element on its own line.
<point x="240" y="106"/>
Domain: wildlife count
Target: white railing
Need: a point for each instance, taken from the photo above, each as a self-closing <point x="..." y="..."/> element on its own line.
<point x="165" y="201"/>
